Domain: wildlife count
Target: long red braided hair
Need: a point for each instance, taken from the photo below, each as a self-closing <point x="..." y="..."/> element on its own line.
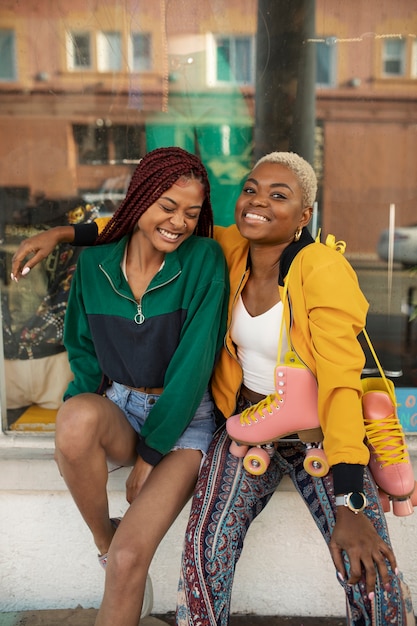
<point x="157" y="172"/>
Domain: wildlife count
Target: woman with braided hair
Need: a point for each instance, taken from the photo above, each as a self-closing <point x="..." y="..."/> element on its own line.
<point x="146" y="310"/>
<point x="154" y="174"/>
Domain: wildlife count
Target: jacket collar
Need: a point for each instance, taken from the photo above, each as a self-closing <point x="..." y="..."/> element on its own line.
<point x="288" y="255"/>
<point x="291" y="252"/>
<point x="111" y="263"/>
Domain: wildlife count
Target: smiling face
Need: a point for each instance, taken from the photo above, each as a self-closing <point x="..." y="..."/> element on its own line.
<point x="173" y="217"/>
<point x="270" y="206"/>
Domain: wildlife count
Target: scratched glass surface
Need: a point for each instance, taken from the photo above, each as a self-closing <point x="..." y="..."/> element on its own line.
<point x="87" y="88"/>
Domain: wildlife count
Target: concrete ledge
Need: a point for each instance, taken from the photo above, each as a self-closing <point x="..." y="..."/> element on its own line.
<point x="30" y="466"/>
<point x="49" y="560"/>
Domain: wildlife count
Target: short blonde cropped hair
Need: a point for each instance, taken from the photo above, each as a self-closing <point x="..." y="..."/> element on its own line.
<point x="302" y="170"/>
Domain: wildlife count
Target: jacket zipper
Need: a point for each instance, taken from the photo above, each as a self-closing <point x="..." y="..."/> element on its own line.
<point x="289" y="334"/>
<point x="139" y="317"/>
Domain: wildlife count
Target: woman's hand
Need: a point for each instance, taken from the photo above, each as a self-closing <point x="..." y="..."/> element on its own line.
<point x="137" y="478"/>
<point x="34" y="249"/>
<point x="355" y="535"/>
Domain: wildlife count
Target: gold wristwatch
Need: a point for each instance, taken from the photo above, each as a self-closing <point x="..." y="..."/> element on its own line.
<point x="355" y="501"/>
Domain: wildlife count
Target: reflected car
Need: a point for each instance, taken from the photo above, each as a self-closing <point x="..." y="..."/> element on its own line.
<point x="404" y="248"/>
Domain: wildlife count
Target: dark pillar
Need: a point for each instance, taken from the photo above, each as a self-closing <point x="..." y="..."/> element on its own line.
<point x="285" y="77"/>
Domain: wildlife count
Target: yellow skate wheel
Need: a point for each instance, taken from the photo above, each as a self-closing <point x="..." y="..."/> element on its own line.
<point x="316" y="463"/>
<point x="238" y="450"/>
<point x="256" y="461"/>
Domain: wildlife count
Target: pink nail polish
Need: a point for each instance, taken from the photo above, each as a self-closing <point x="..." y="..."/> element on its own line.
<point x="25" y="271"/>
<point x="371" y="596"/>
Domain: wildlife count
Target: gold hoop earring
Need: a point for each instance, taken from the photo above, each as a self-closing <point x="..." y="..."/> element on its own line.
<point x="297" y="234"/>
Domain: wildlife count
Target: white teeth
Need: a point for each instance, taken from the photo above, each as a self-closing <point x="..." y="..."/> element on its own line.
<point x="167" y="234"/>
<point x="255" y="216"/>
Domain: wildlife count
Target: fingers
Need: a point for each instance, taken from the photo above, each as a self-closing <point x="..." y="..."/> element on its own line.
<point x="378" y="564"/>
<point x="33" y="250"/>
<point x="355" y="575"/>
<point x="22" y="268"/>
<point x="368" y="555"/>
<point x="360" y="566"/>
<point x="381" y="559"/>
<point x="137" y="479"/>
<point x="337" y="556"/>
<point x="21" y="264"/>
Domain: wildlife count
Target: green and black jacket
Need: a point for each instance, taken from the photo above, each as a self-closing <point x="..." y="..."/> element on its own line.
<point x="170" y="340"/>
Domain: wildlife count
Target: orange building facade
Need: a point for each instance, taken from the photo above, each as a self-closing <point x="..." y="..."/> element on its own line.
<point x="153" y="74"/>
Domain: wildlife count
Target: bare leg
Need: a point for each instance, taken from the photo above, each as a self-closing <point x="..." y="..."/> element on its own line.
<point x="89" y="430"/>
<point x="164" y="494"/>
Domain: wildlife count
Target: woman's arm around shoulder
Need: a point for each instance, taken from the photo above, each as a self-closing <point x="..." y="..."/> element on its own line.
<point x="33" y="250"/>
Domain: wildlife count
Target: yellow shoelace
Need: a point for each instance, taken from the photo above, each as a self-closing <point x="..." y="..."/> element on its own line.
<point x="248" y="414"/>
<point x="381" y="433"/>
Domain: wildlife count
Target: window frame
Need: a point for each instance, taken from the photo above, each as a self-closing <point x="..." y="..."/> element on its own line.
<point x="413" y="59"/>
<point x="213" y="58"/>
<point x="328" y="43"/>
<point x="10" y="32"/>
<point x="401" y="59"/>
<point x="109" y="51"/>
<point x="72" y="66"/>
<point x="110" y="153"/>
<point x="145" y="61"/>
<point x="106" y="56"/>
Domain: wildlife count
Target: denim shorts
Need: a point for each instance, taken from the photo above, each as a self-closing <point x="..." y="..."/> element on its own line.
<point x="137" y="405"/>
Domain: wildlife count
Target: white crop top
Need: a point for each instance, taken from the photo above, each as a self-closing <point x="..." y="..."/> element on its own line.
<point x="256" y="339"/>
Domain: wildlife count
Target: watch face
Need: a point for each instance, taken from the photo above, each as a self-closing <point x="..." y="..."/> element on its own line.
<point x="357" y="500"/>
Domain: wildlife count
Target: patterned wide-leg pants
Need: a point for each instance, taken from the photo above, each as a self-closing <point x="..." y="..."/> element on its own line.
<point x="227" y="499"/>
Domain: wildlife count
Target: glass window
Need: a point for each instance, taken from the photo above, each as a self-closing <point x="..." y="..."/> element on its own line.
<point x="394" y="57"/>
<point x="234" y="59"/>
<point x="7" y="55"/>
<point x="141" y="52"/>
<point x="92" y="143"/>
<point x="129" y="142"/>
<point x="109" y="51"/>
<point x="79" y="51"/>
<point x="100" y="86"/>
<point x="326" y="62"/>
<point x="104" y="143"/>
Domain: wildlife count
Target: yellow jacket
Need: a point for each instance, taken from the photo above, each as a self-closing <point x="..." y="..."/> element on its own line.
<point x="329" y="311"/>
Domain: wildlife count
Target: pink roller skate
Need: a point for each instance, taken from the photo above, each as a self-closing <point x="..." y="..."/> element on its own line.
<point x="390" y="462"/>
<point x="285" y="412"/>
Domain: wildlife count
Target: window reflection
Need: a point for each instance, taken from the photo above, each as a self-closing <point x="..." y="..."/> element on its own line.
<point x="394" y="57"/>
<point x="141" y="59"/>
<point x="235" y="59"/>
<point x="7" y="55"/>
<point x="326" y="62"/>
<point x="85" y="92"/>
<point x="79" y="51"/>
